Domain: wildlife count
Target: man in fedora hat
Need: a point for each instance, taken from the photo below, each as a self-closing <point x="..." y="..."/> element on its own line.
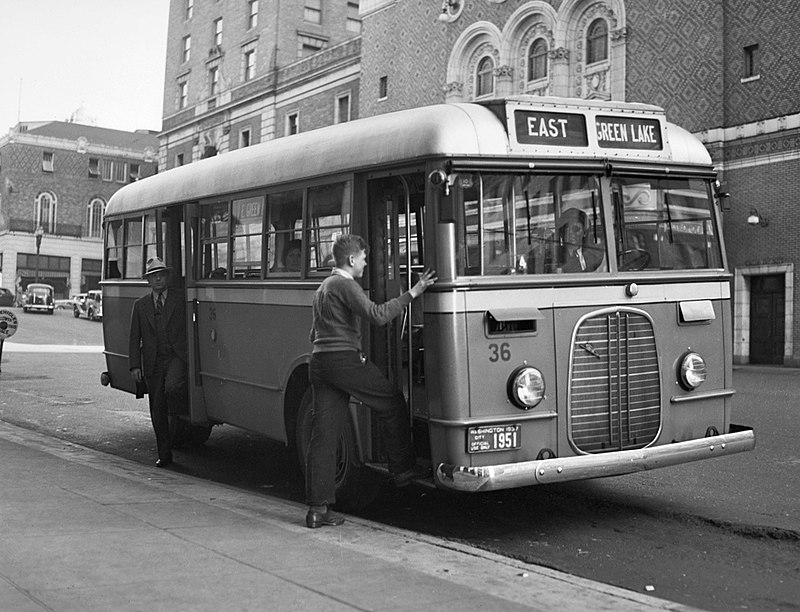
<point x="157" y="352"/>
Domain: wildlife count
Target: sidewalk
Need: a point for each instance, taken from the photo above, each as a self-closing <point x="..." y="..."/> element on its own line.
<point x="82" y="530"/>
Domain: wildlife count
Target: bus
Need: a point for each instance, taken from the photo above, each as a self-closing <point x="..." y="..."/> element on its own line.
<point x="580" y="327"/>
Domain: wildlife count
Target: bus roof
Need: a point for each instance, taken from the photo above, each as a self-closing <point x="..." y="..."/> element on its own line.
<point x="476" y="130"/>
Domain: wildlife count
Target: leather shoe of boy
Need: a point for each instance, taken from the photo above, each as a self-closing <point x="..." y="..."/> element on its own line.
<point x="315" y="519"/>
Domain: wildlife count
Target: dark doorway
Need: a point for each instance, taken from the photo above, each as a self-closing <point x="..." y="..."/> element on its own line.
<point x="767" y="303"/>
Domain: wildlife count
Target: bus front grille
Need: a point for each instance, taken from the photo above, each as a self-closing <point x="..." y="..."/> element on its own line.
<point x="614" y="401"/>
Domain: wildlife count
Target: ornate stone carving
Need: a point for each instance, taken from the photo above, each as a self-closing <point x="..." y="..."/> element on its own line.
<point x="504" y="71"/>
<point x="562" y="53"/>
<point x="453" y="87"/>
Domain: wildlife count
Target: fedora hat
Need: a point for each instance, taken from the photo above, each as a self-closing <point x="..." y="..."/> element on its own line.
<point x="155" y="264"/>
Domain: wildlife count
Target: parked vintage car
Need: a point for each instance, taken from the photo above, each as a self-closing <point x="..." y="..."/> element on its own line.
<point x="90" y="306"/>
<point x="70" y="302"/>
<point x="39" y="297"/>
<point x="6" y="297"/>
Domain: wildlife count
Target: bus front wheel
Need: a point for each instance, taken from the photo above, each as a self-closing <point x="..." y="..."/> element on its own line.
<point x="356" y="485"/>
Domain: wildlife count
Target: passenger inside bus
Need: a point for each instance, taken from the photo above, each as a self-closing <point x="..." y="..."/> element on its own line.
<point x="578" y="252"/>
<point x="292" y="256"/>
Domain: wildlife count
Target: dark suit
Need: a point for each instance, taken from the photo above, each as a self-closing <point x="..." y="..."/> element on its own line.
<point x="164" y="366"/>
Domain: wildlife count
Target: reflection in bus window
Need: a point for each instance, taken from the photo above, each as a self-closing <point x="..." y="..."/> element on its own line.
<point x="247" y="221"/>
<point x="133" y="248"/>
<point x="214" y="238"/>
<point x="114" y="249"/>
<point x="328" y="218"/>
<point x="150" y="246"/>
<point x="285" y="221"/>
<point x="530" y="224"/>
<point x="664" y="225"/>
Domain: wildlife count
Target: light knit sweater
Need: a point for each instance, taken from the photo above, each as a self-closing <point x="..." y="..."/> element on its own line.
<point x="339" y="304"/>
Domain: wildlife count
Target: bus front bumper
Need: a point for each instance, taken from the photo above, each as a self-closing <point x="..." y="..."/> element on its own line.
<point x="545" y="471"/>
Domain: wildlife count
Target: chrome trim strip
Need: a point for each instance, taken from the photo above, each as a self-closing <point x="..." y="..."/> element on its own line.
<point x="239" y="381"/>
<point x="678" y="399"/>
<point x="493" y="420"/>
<point x="545" y="471"/>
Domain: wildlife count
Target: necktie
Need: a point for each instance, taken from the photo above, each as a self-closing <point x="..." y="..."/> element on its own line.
<point x="160" y="303"/>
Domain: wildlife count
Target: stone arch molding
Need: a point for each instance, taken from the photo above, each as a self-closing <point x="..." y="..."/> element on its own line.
<point x="564" y="32"/>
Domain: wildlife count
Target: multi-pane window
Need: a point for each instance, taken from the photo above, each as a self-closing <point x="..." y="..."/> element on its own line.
<point x="186" y="50"/>
<point x="249" y="64"/>
<point x="484" y="81"/>
<point x="214" y="234"/>
<point x="120" y="172"/>
<point x="114" y="246"/>
<point x="353" y="21"/>
<point x="252" y="16"/>
<point x="213" y="80"/>
<point x="94" y="218"/>
<point x="313" y="11"/>
<point x="537" y="60"/>
<point x="218" y="31"/>
<point x="342" y="111"/>
<point x="189" y="9"/>
<point x="183" y="94"/>
<point x="284" y="230"/>
<point x="46" y="206"/>
<point x="133" y="248"/>
<point x="751" y="68"/>
<point x="107" y="169"/>
<point x="597" y="41"/>
<point x="47" y="161"/>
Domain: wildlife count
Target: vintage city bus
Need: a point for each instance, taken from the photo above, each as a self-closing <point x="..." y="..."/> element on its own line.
<point x="580" y="326"/>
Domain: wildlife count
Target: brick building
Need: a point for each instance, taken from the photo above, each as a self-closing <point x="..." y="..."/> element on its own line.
<point x="58" y="176"/>
<point x="727" y="70"/>
<point x="239" y="72"/>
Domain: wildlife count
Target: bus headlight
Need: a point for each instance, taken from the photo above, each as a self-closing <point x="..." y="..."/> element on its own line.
<point x="526" y="387"/>
<point x="692" y="371"/>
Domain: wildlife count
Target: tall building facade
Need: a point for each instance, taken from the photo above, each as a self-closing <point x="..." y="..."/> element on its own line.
<point x="239" y="72"/>
<point x="55" y="180"/>
<point x="727" y="70"/>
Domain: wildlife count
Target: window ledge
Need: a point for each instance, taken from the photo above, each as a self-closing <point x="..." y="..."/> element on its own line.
<point x="750" y="79"/>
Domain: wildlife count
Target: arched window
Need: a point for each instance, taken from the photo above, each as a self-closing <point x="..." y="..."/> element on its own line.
<point x="94" y="218"/>
<point x="537" y="60"/>
<point x="597" y="41"/>
<point x="46" y="212"/>
<point x="484" y="85"/>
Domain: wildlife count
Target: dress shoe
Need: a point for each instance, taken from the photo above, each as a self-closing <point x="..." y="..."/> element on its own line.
<point x="162" y="463"/>
<point x="403" y="479"/>
<point x="315" y="519"/>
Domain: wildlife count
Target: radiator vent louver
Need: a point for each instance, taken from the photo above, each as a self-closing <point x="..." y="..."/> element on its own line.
<point x="614" y="384"/>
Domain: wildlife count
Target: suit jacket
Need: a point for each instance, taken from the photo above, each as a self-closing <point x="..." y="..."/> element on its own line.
<point x="143" y="341"/>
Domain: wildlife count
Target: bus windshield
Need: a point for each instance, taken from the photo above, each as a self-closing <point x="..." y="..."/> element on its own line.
<point x="550" y="224"/>
<point x="664" y="224"/>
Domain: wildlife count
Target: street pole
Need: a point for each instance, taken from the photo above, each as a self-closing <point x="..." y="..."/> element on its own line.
<point x="38" y="233"/>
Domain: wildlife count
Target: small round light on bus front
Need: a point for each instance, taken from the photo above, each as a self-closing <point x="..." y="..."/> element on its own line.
<point x="526" y="387"/>
<point x="692" y="371"/>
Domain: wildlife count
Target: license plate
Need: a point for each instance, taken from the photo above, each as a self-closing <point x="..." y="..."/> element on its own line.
<point x="492" y="438"/>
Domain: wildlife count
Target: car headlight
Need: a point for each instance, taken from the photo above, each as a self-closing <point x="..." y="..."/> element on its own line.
<point x="692" y="371"/>
<point x="526" y="387"/>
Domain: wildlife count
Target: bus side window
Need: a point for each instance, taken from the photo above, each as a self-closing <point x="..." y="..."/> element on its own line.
<point x="285" y="214"/>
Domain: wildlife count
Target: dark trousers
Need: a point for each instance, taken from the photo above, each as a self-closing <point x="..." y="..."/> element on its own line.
<point x="166" y="388"/>
<point x="335" y="377"/>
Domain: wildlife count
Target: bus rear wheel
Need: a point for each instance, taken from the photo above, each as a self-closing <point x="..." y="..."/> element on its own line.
<point x="356" y="485"/>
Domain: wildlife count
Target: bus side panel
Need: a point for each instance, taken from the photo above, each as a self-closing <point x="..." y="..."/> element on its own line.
<point x="246" y="348"/>
<point x="118" y="302"/>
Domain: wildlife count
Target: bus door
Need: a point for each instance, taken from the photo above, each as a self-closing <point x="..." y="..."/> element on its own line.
<point x="396" y="207"/>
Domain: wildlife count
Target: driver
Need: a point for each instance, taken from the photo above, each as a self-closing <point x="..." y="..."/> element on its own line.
<point x="577" y="254"/>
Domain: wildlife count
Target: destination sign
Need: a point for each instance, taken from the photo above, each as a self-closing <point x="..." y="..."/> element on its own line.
<point x="628" y="133"/>
<point x="543" y="128"/>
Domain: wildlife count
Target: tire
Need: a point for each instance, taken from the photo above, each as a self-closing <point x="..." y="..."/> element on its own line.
<point x="356" y="485"/>
<point x="76" y="313"/>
